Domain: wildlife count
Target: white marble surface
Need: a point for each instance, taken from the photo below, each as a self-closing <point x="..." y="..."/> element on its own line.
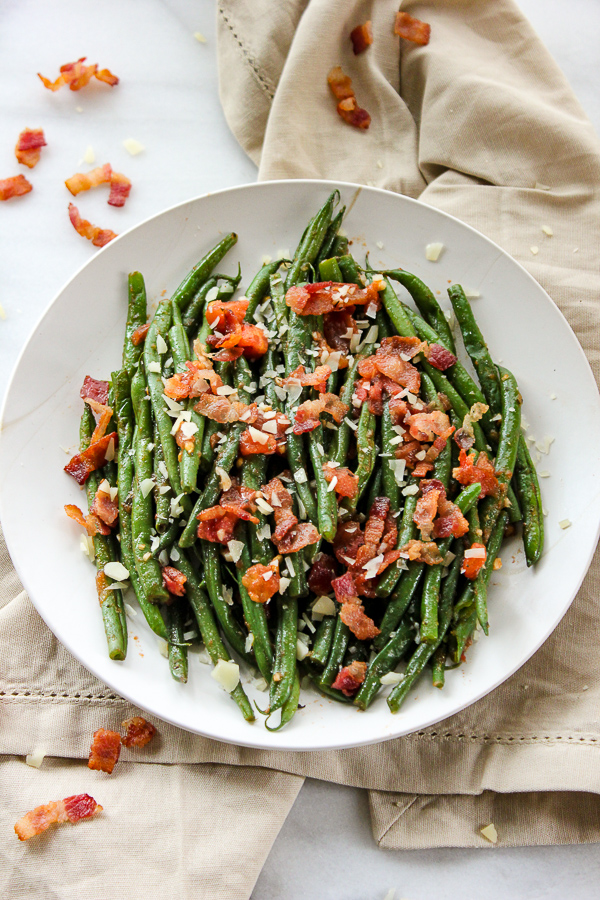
<point x="168" y="100"/>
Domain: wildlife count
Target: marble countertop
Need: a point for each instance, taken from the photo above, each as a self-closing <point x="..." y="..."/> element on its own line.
<point x="171" y="106"/>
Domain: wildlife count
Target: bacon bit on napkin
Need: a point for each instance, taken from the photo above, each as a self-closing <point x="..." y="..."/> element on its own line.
<point x="361" y="37"/>
<point x="139" y="732"/>
<point x="98" y="236"/>
<point x="412" y="29"/>
<point x="14" y="187"/>
<point x="105" y="750"/>
<point x="29" y="146"/>
<point x="76" y="75"/>
<point x="348" y="109"/>
<point x="71" y="809"/>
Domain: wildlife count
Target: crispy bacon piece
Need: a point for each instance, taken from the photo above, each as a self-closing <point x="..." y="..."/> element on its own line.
<point x="422" y="551"/>
<point x="426" y="510"/>
<point x="139" y="335"/>
<point x="469" y="472"/>
<point x="92" y="389"/>
<point x="105" y="749"/>
<point x="71" y="809"/>
<point x="308" y="413"/>
<point x="472" y="565"/>
<point x="120" y="187"/>
<point x="103" y="415"/>
<point x="174" y="580"/>
<point x="239" y="500"/>
<point x="14" y="187"/>
<point x="76" y="75"/>
<point x="220" y="409"/>
<point x="348" y="109"/>
<point x="464" y="438"/>
<point x="289" y="535"/>
<point x="350" y="678"/>
<point x="450" y="520"/>
<point x="217" y="525"/>
<point x="29" y="146"/>
<point x="346" y="484"/>
<point x="327" y="296"/>
<point x="85" y="181"/>
<point x="83" y="464"/>
<point x="358" y="622"/>
<point x="412" y="29"/>
<point x="424" y="426"/>
<point x="262" y="582"/>
<point x="439" y="357"/>
<point x="361" y="37"/>
<point x="92" y="524"/>
<point x="230" y="330"/>
<point x="316" y="379"/>
<point x="223" y="315"/>
<point x="348" y="539"/>
<point x="105" y="509"/>
<point x="321" y="574"/>
<point x="98" y="236"/>
<point x="197" y="381"/>
<point x="139" y="732"/>
<point x="250" y="446"/>
<point x="433" y="504"/>
<point x="391" y="359"/>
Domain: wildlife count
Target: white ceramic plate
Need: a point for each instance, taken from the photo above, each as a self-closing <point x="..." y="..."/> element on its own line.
<point x="81" y="334"/>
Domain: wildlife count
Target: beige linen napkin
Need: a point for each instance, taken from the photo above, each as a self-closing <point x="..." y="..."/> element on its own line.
<point x="483" y="118"/>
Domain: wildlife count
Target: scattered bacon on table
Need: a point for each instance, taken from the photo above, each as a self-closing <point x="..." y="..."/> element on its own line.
<point x="98" y="236"/>
<point x="105" y="750"/>
<point x="71" y="809"/>
<point x="361" y="37"/>
<point x="76" y="75"/>
<point x="412" y="29"/>
<point x="29" y="146"/>
<point x="120" y="185"/>
<point x="348" y="108"/>
<point x="16" y="186"/>
<point x="138" y="732"/>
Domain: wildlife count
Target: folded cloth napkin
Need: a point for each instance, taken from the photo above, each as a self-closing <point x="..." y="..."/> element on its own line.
<point x="479" y="123"/>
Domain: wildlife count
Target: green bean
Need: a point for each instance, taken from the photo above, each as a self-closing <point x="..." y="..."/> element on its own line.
<point x="390" y="578"/>
<point x="192" y="281"/>
<point x="290" y="707"/>
<point x="196" y="307"/>
<point x="349" y="269"/>
<point x="253" y="476"/>
<point x="340" y="246"/>
<point x="310" y="244"/>
<point x="424" y="652"/>
<point x="530" y="497"/>
<point x="375" y="488"/>
<point x="426" y="303"/>
<point x="386" y="660"/>
<point x="506" y="456"/>
<point x="142" y="519"/>
<point x="391" y="488"/>
<point x="323" y="688"/>
<point x="136" y="317"/>
<point x="397" y="311"/>
<point x="326" y="249"/>
<point x="438" y="666"/>
<point x="189" y="461"/>
<point x="339" y="646"/>
<point x="329" y="270"/>
<point x="366" y="451"/>
<point x="259" y="286"/>
<point x="326" y="498"/>
<point x="254" y="613"/>
<point x="162" y="500"/>
<point x="124" y="415"/>
<point x="208" y="629"/>
<point x="214" y="584"/>
<point x="322" y="641"/>
<point x="111" y="601"/>
<point x="476" y="347"/>
<point x="178" y="663"/>
<point x="167" y="539"/>
<point x="284" y="666"/>
<point x="341" y="441"/>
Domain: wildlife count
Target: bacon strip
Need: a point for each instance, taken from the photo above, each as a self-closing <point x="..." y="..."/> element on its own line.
<point x="83" y="464"/>
<point x="391" y="359"/>
<point x="98" y="236"/>
<point x="352" y="612"/>
<point x="350" y="678"/>
<point x="321" y="574"/>
<point x="348" y="108"/>
<point x="71" y="809"/>
<point x="85" y="181"/>
<point x="327" y="296"/>
<point x="92" y="389"/>
<point x="439" y="357"/>
<point x="346" y="482"/>
<point x="262" y="582"/>
<point x="105" y="750"/>
<point x="29" y="145"/>
<point x="139" y="732"/>
<point x="422" y="551"/>
<point x="308" y="413"/>
<point x="361" y="37"/>
<point x="14" y="187"/>
<point x="412" y="29"/>
<point x="105" y="509"/>
<point x="289" y="535"/>
<point x="76" y="75"/>
<point x="92" y="524"/>
<point x="174" y="581"/>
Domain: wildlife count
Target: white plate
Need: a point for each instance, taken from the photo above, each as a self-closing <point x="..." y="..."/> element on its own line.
<point x="81" y="334"/>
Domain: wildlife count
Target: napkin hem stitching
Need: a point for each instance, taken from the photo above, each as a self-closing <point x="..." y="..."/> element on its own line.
<point x="249" y="59"/>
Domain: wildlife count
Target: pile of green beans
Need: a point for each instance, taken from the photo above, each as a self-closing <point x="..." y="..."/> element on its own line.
<point x="425" y="614"/>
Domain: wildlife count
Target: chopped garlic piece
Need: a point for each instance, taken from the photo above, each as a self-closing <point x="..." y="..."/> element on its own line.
<point x="235" y="548"/>
<point x="302" y="650"/>
<point x="490" y="834"/>
<point x="324" y="606"/>
<point x="87" y="546"/>
<point x="224" y="479"/>
<point x="391" y="678"/>
<point x="116" y="571"/>
<point x="154" y="367"/>
<point x="565" y="523"/>
<point x="161" y="344"/>
<point x="300" y="476"/>
<point x="89" y="156"/>
<point x="264" y="507"/>
<point x="200" y="37"/>
<point x="146" y="486"/>
<point x="227" y="674"/>
<point x="432" y="251"/>
<point x="535" y="250"/>
<point x="547" y="230"/>
<point x="133" y="147"/>
<point x="35" y="758"/>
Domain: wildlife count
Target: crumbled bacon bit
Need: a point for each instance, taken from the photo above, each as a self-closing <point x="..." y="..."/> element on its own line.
<point x="71" y="809"/>
<point x="259" y="589"/>
<point x="350" y="678"/>
<point x="216" y="525"/>
<point x="105" y="749"/>
<point x="472" y="565"/>
<point x="199" y="379"/>
<point x="439" y="357"/>
<point x="464" y="438"/>
<point x="422" y="551"/>
<point x="139" y="335"/>
<point x="139" y="732"/>
<point x="289" y="535"/>
<point x="346" y="484"/>
<point x="239" y="500"/>
<point x="352" y="612"/>
<point x="84" y="181"/>
<point x="412" y="29"/>
<point x="120" y="187"/>
<point x="98" y="236"/>
<point x="391" y="359"/>
<point x="83" y="464"/>
<point x="218" y="408"/>
<point x="231" y="332"/>
<point x="321" y="574"/>
<point x="424" y="426"/>
<point x="14" y="187"/>
<point x="470" y="472"/>
<point x="348" y="109"/>
<point x="316" y="379"/>
<point x="92" y="389"/>
<point x="105" y="509"/>
<point x="308" y="413"/>
<point x="336" y="326"/>
<point x="29" y="145"/>
<point x="327" y="296"/>
<point x="174" y="581"/>
<point x="76" y="75"/>
<point x="426" y="511"/>
<point x="92" y="524"/>
<point x="361" y="37"/>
